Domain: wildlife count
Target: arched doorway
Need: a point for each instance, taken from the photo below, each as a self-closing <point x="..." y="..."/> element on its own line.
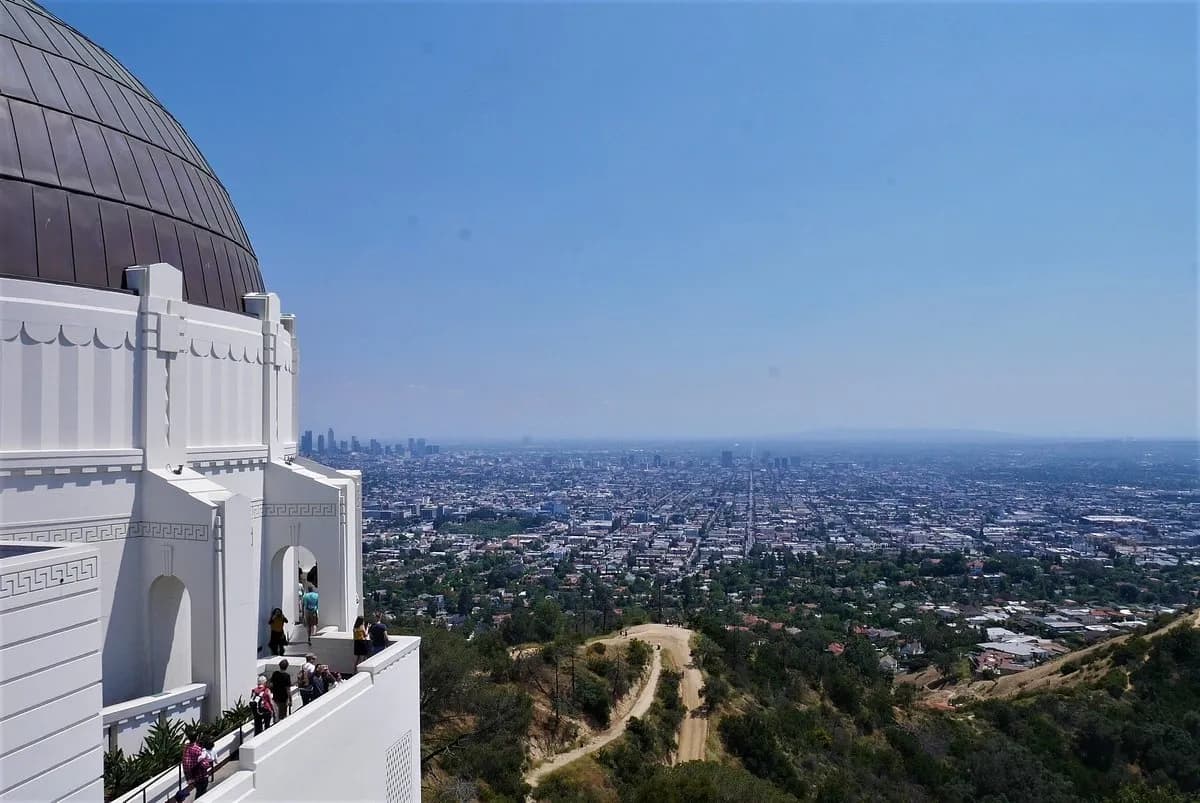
<point x="289" y="569"/>
<point x="169" y="615"/>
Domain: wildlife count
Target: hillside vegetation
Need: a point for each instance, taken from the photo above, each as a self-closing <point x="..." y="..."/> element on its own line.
<point x="488" y="711"/>
<point x="793" y="720"/>
<point x="796" y="722"/>
<point x="824" y="727"/>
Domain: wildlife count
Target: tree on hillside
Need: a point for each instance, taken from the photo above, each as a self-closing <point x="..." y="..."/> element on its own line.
<point x="716" y="691"/>
<point x="471" y="726"/>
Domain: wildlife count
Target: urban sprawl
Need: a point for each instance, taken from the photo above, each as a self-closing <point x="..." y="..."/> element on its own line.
<point x="994" y="557"/>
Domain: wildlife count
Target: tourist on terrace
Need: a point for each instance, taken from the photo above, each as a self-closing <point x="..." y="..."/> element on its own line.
<point x="310" y="600"/>
<point x="304" y="685"/>
<point x="362" y="647"/>
<point x="195" y="765"/>
<point x="316" y="681"/>
<point x="278" y="636"/>
<point x="210" y="759"/>
<point x="379" y="638"/>
<point x="329" y="678"/>
<point x="262" y="705"/>
<point x="281" y="690"/>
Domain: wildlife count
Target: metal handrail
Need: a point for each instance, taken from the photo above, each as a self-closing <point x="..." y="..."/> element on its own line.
<point x="237" y="746"/>
<point x="147" y="784"/>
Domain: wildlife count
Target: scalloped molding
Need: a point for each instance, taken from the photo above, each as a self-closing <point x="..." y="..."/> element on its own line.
<point x="112" y="337"/>
<point x="106" y="337"/>
<point x="204" y="347"/>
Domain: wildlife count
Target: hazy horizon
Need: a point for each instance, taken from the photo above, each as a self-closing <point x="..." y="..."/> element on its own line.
<point x="632" y="221"/>
<point x="865" y="436"/>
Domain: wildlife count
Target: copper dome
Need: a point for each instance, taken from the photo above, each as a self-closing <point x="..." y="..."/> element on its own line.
<point x="96" y="176"/>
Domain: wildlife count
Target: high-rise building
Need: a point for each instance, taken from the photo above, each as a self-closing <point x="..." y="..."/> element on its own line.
<point x="320" y="444"/>
<point x="412" y="448"/>
<point x="354" y="446"/>
<point x="420" y="447"/>
<point x="330" y="441"/>
<point x="143" y="598"/>
<point x="306" y="442"/>
<point x="726" y="459"/>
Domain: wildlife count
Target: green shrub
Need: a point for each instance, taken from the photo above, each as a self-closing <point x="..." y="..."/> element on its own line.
<point x="592" y="695"/>
<point x="707" y="782"/>
<point x="163" y="748"/>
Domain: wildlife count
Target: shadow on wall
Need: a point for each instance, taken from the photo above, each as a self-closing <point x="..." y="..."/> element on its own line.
<point x="169" y="616"/>
<point x="124" y="652"/>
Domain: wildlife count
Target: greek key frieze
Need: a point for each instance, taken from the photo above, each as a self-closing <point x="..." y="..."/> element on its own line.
<point x="39" y="578"/>
<point x="300" y="509"/>
<point x="111" y="530"/>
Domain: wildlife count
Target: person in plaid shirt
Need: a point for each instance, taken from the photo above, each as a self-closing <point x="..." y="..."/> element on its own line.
<point x="196" y="765"/>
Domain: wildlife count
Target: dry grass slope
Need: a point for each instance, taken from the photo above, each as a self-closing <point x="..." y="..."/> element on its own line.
<point x="1092" y="662"/>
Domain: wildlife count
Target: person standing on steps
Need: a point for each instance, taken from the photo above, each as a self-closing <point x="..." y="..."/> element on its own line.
<point x="262" y="705"/>
<point x="311" y="601"/>
<point x="281" y="690"/>
<point x="278" y="636"/>
<point x="209" y="760"/>
<point x="362" y="647"/>
<point x="195" y="765"/>
<point x="304" y="685"/>
<point x="379" y="637"/>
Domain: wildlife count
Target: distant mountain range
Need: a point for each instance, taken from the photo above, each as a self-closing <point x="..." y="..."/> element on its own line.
<point x="913" y="435"/>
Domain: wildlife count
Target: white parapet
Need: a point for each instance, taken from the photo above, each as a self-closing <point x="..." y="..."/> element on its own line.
<point x="359" y="741"/>
<point x="127" y="724"/>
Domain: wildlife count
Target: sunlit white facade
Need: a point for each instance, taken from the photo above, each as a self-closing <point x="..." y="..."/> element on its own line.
<point x="157" y="441"/>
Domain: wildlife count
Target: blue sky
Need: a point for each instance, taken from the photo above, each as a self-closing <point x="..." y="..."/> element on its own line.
<point x="696" y="220"/>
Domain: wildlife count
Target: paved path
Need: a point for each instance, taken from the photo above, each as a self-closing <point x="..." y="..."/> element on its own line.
<point x="676" y="641"/>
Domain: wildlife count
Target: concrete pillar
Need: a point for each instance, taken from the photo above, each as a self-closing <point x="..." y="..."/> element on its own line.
<point x="289" y="323"/>
<point x="237" y="566"/>
<point x="265" y="307"/>
<point x="161" y="378"/>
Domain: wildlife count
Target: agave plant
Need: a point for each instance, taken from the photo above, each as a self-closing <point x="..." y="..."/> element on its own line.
<point x="236" y="716"/>
<point x="164" y="743"/>
<point x="118" y="773"/>
<point x="160" y="751"/>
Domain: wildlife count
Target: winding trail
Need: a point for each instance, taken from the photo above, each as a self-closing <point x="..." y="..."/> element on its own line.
<point x="676" y="641"/>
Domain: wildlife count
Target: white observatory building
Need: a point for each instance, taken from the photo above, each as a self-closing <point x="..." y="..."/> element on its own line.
<point x="153" y="510"/>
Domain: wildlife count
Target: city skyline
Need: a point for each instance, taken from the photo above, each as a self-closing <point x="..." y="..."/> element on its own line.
<point x="720" y="441"/>
<point x="756" y="218"/>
